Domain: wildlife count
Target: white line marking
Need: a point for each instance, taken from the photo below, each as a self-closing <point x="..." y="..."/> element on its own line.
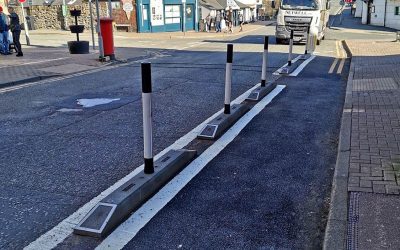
<point x="127" y="230"/>
<point x="194" y="44"/>
<point x="302" y="66"/>
<point x="277" y="72"/>
<point x="57" y="234"/>
<point x="30" y="63"/>
<point x="333" y="66"/>
<point x="340" y="68"/>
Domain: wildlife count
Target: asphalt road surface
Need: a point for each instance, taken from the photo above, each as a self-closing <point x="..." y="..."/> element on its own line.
<point x="268" y="189"/>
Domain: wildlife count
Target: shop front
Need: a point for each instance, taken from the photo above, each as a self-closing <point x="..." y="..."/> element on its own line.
<point x="166" y="15"/>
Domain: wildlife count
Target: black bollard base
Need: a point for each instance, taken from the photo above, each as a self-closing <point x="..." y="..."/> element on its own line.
<point x="117" y="206"/>
<point x="260" y="92"/>
<point x="81" y="47"/>
<point x="216" y="127"/>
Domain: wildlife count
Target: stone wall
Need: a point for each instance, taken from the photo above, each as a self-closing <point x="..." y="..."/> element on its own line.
<point x="51" y="17"/>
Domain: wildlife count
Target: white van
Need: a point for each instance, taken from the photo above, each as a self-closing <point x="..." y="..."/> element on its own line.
<point x="298" y="15"/>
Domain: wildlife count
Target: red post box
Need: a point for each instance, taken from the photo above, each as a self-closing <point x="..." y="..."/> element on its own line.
<point x="106" y="28"/>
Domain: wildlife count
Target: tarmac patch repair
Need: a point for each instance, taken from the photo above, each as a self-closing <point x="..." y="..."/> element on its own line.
<point x="88" y="103"/>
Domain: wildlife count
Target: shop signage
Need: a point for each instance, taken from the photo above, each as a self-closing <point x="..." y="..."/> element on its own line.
<point x="157" y="12"/>
<point x="128" y="8"/>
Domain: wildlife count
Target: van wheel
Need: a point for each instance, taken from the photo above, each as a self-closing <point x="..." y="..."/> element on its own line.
<point x="318" y="42"/>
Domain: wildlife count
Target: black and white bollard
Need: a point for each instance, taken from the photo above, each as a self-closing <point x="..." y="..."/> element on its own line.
<point x="290" y="49"/>
<point x="147" y="122"/>
<point x="228" y="79"/>
<point x="288" y="68"/>
<point x="113" y="209"/>
<point x="231" y="114"/>
<point x="265" y="88"/>
<point x="264" y="63"/>
<point x="305" y="56"/>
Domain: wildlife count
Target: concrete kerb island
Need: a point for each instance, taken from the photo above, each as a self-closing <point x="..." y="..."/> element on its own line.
<point x="336" y="227"/>
<point x="116" y="207"/>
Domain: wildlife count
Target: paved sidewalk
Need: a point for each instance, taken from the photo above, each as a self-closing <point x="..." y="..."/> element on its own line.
<point x="49" y="56"/>
<point x="40" y="63"/>
<point x="374" y="170"/>
<point x="367" y="216"/>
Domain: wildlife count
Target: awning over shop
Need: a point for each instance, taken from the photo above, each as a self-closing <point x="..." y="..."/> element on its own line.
<point x="244" y="6"/>
<point x="211" y="4"/>
<point x="228" y="4"/>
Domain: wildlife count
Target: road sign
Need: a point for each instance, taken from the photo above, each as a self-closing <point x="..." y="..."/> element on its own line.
<point x="22" y="1"/>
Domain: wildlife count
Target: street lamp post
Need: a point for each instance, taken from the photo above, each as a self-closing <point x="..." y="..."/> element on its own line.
<point x="91" y="23"/>
<point x="101" y="50"/>
<point x="184" y="16"/>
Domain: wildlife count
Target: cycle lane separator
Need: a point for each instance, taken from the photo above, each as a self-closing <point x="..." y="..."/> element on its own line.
<point x="123" y="234"/>
<point x="61" y="231"/>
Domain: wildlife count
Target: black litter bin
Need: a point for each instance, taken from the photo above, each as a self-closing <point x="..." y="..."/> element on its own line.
<point x="30" y="22"/>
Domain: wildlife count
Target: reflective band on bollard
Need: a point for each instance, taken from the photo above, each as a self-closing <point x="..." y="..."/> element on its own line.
<point x="290" y="49"/>
<point x="264" y="62"/>
<point x="147" y="122"/>
<point x="228" y="79"/>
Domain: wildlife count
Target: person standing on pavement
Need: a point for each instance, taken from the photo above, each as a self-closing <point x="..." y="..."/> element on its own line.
<point x="229" y="20"/>
<point x="241" y="22"/>
<point x="218" y="22"/>
<point x="4" y="33"/>
<point x="15" y="28"/>
<point x="208" y="22"/>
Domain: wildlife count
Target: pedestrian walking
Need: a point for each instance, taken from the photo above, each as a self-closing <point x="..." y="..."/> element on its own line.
<point x="208" y="22"/>
<point x="229" y="21"/>
<point x="4" y="44"/>
<point x="15" y="28"/>
<point x="241" y="22"/>
<point x="223" y="25"/>
<point x="218" y="22"/>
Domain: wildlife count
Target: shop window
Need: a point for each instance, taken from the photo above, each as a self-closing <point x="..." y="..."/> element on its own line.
<point x="172" y="14"/>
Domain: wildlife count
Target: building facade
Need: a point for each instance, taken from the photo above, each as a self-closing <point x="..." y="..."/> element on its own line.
<point x="167" y="15"/>
<point x="379" y="12"/>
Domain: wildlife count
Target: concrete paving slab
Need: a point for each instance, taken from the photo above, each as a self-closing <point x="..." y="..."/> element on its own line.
<point x="67" y="68"/>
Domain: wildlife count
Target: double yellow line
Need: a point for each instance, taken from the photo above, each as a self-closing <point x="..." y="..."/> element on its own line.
<point x="340" y="56"/>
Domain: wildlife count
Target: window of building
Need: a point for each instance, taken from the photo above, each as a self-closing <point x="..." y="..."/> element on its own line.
<point x="397" y="10"/>
<point x="172" y="14"/>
